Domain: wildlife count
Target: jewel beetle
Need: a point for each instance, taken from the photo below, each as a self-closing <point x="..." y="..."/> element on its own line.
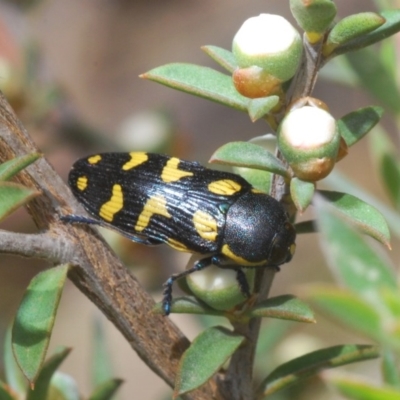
<point x="154" y="199"/>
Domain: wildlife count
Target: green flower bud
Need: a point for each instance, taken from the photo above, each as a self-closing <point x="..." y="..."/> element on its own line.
<point x="254" y="82"/>
<point x="314" y="16"/>
<point x="309" y="140"/>
<point x="218" y="287"/>
<point x="269" y="42"/>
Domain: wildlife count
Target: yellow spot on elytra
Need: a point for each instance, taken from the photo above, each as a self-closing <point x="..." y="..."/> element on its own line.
<point x="256" y="191"/>
<point x="81" y="183"/>
<point x="205" y="225"/>
<point x="112" y="206"/>
<point x="239" y="260"/>
<point x="177" y="245"/>
<point x="225" y="187"/>
<point x="136" y="159"/>
<point x="94" y="159"/>
<point x="154" y="205"/>
<point x="171" y="172"/>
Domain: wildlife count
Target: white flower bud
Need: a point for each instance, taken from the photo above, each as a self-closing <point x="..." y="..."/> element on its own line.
<point x="309" y="140"/>
<point x="269" y="42"/>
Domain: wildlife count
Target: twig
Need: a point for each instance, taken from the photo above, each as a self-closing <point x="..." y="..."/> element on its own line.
<point x="96" y="270"/>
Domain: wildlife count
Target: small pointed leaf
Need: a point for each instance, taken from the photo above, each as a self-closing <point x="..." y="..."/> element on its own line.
<point x="259" y="107"/>
<point x="361" y="215"/>
<point x="107" y="390"/>
<point x="12" y="196"/>
<point x="350" y="257"/>
<point x="224" y="58"/>
<point x="12" y="167"/>
<point x="351" y="28"/>
<point x="35" y="317"/>
<point x="199" y="81"/>
<point x="285" y="307"/>
<point x="338" y="181"/>
<point x="42" y="384"/>
<point x="302" y="193"/>
<point x="390" y="27"/>
<point x="206" y="355"/>
<point x="310" y="364"/>
<point x="250" y="155"/>
<point x="355" y="389"/>
<point x="355" y="125"/>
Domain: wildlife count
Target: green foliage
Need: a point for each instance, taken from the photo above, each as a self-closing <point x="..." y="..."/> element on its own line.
<point x="13" y="195"/>
<point x="35" y="320"/>
<point x="208" y="352"/>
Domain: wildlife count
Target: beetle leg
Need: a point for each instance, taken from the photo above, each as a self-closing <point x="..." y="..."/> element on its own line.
<point x="242" y="282"/>
<point x="167" y="294"/>
<point x="240" y="275"/>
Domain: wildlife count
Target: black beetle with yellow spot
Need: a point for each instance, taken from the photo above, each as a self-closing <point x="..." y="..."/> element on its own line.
<point x="154" y="199"/>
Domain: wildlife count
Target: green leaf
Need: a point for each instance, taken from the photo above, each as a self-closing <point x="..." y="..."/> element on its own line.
<point x="310" y="364"/>
<point x="259" y="107"/>
<point x="339" y="181"/>
<point x="63" y="387"/>
<point x="352" y="28"/>
<point x="5" y="393"/>
<point x="390" y="369"/>
<point x="12" y="196"/>
<point x="107" y="390"/>
<point x="35" y="320"/>
<point x="101" y="361"/>
<point x="355" y="125"/>
<point x="388" y="165"/>
<point x="12" y="167"/>
<point x="356" y="389"/>
<point x="302" y="193"/>
<point x="350" y="257"/>
<point x="208" y="352"/>
<point x="42" y="384"/>
<point x="257" y="178"/>
<point x="349" y="308"/>
<point x="250" y="155"/>
<point x="390" y="27"/>
<point x="199" y="81"/>
<point x="285" y="307"/>
<point x="223" y="57"/>
<point x="14" y="377"/>
<point x="375" y="78"/>
<point x="361" y="215"/>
